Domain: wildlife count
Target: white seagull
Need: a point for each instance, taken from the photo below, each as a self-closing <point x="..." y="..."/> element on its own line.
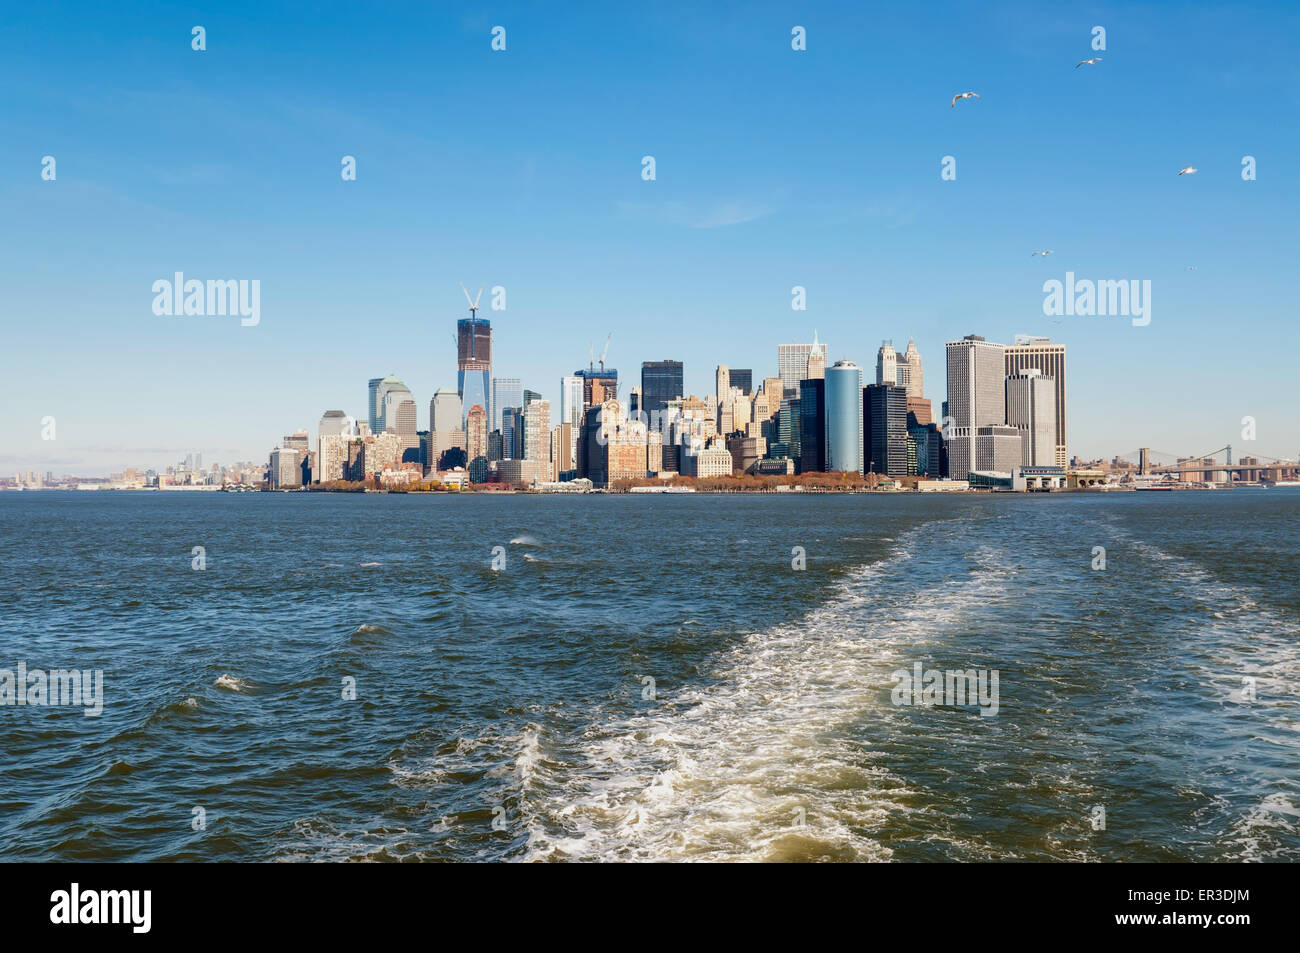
<point x="1092" y="62"/>
<point x="1043" y="253"/>
<point x="965" y="96"/>
<point x="1190" y="170"/>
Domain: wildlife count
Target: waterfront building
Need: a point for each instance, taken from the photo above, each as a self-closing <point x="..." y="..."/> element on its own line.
<point x="1039" y="353"/>
<point x="285" y="468"/>
<point x="1031" y="408"/>
<point x="998" y="448"/>
<point x="844" y="417"/>
<point x="976" y="398"/>
<point x="884" y="437"/>
<point x="812" y="425"/>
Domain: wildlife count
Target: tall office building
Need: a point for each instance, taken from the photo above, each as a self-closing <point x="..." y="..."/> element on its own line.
<point x="661" y="381"/>
<point x="722" y="382"/>
<point x="506" y="392"/>
<point x="844" y="417"/>
<point x="333" y="423"/>
<point x="977" y="397"/>
<point x="374" y="404"/>
<point x="792" y="363"/>
<point x="887" y="364"/>
<point x="474" y="363"/>
<point x="1031" y="409"/>
<point x="1036" y="353"/>
<point x="445" y="411"/>
<point x="536" y="431"/>
<point x="816" y="366"/>
<point x="476" y="443"/>
<point x="379" y="405"/>
<point x="511" y="433"/>
<point x="812" y="426"/>
<point x="884" y="438"/>
<point x="743" y="377"/>
<point x="915" y="379"/>
<point x="571" y="400"/>
<point x="404" y="425"/>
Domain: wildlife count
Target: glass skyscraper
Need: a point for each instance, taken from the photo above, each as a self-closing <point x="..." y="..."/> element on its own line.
<point x="474" y="363"/>
<point x="844" y="417"/>
<point x="661" y="381"/>
<point x="506" y="392"/>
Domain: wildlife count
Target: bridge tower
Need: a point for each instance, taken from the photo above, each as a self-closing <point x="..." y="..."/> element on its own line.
<point x="1229" y="449"/>
<point x="1144" y="461"/>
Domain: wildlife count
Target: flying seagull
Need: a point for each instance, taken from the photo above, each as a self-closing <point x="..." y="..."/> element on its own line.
<point x="1043" y="253"/>
<point x="965" y="96"/>
<point x="1092" y="62"/>
<point x="1190" y="170"/>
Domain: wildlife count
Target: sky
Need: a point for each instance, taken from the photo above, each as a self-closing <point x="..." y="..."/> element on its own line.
<point x="522" y="168"/>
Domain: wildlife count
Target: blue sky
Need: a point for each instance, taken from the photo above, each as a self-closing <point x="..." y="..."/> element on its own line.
<point x="522" y="168"/>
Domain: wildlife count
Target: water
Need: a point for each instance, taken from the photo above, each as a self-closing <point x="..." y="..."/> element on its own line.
<point x="502" y="715"/>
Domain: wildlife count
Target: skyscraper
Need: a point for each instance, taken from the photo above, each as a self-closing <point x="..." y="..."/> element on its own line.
<point x="473" y="362"/>
<point x="977" y="397"/>
<point x="743" y="377"/>
<point x="915" y="378"/>
<point x="1031" y="409"/>
<point x="506" y="392"/>
<point x="1041" y="354"/>
<point x="887" y="364"/>
<point x="445" y="411"/>
<point x="598" y="385"/>
<point x="844" y="417"/>
<point x="571" y="400"/>
<point x="723" y="382"/>
<point x="661" y="381"/>
<point x="812" y="426"/>
<point x="476" y="439"/>
<point x="378" y="401"/>
<point x="884" y="439"/>
<point x="792" y="363"/>
<point x="537" y="431"/>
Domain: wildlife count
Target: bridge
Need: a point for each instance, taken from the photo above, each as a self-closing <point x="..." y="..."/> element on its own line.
<point x="1216" y="466"/>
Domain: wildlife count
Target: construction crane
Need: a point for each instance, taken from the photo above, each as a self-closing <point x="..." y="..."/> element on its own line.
<point x="605" y="351"/>
<point x="473" y="305"/>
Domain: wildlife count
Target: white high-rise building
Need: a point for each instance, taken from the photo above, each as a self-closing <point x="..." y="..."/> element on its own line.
<point x="915" y="379"/>
<point x="445" y="410"/>
<point x="571" y="401"/>
<point x="977" y="397"/>
<point x="887" y="364"/>
<point x="1031" y="409"/>
<point x="1041" y="354"/>
<point x="506" y="392"/>
<point x="792" y="363"/>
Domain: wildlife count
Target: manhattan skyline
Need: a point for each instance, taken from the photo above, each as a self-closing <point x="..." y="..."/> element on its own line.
<point x="522" y="169"/>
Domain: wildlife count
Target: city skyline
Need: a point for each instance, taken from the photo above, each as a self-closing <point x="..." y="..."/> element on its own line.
<point x="361" y="278"/>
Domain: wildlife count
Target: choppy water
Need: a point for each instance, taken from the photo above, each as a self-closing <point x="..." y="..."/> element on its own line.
<point x="503" y="714"/>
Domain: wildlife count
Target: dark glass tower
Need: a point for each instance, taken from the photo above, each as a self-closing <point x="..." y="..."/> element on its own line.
<point x="661" y="381"/>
